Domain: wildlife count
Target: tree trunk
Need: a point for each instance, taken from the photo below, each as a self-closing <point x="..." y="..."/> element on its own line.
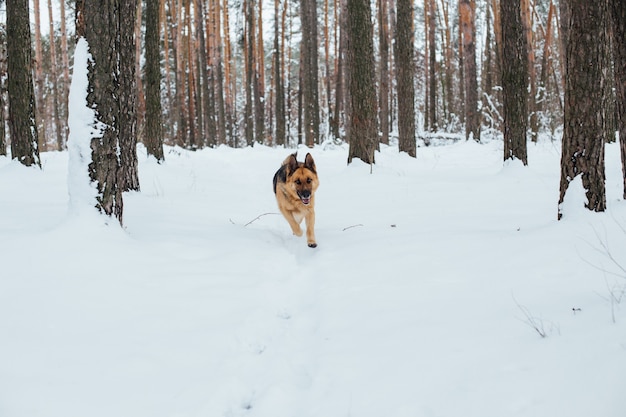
<point x="249" y="70"/>
<point x="514" y="81"/>
<point x="99" y="25"/>
<point x="279" y="100"/>
<point x="259" y="79"/>
<point x="140" y="100"/>
<point x="127" y="95"/>
<point x="153" y="136"/>
<point x="448" y="53"/>
<point x="383" y="46"/>
<point x="40" y="114"/>
<point x="363" y="131"/>
<point x="404" y="74"/>
<point x="3" y="72"/>
<point x="310" y="94"/>
<point x="468" y="30"/>
<point x="585" y="88"/>
<point x="527" y="23"/>
<point x="65" y="61"/>
<point x="618" y="12"/>
<point x="58" y="128"/>
<point x="21" y="94"/>
<point x="213" y="20"/>
<point x="432" y="64"/>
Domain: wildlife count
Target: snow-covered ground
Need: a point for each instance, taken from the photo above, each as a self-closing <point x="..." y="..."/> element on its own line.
<point x="426" y="296"/>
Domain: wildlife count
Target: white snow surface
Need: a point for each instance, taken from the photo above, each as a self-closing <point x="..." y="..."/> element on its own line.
<point x="426" y="296"/>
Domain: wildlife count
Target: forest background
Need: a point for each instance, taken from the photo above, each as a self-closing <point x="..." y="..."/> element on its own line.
<point x="262" y="41"/>
<point x="196" y="74"/>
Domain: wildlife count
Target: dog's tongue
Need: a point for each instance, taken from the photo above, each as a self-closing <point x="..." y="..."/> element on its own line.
<point x="306" y="200"/>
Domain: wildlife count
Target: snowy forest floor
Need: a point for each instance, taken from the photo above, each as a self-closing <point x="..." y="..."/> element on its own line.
<point x="442" y="286"/>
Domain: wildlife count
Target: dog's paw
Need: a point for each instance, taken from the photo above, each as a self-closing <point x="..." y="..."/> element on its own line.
<point x="298" y="232"/>
<point x="312" y="245"/>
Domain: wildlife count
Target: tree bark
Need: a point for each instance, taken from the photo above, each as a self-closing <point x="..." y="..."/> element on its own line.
<point x="279" y="101"/>
<point x="405" y="74"/>
<point x="468" y="30"/>
<point x="153" y="136"/>
<point x="585" y="89"/>
<point x="514" y="81"/>
<point x="432" y="64"/>
<point x="21" y="94"/>
<point x="98" y="24"/>
<point x="309" y="52"/>
<point x="127" y="94"/>
<point x="58" y="124"/>
<point x="363" y="131"/>
<point x="383" y="46"/>
<point x="618" y="14"/>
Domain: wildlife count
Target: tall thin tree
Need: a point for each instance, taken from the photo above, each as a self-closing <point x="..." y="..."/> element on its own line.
<point x="309" y="53"/>
<point x="405" y="75"/>
<point x="21" y="94"/>
<point x="153" y="136"/>
<point x="363" y="127"/>
<point x="514" y="81"/>
<point x="467" y="16"/>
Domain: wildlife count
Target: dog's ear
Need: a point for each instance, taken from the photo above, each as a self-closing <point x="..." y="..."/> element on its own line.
<point x="309" y="163"/>
<point x="291" y="163"/>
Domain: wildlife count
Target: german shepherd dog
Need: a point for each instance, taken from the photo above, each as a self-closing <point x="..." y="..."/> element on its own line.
<point x="294" y="185"/>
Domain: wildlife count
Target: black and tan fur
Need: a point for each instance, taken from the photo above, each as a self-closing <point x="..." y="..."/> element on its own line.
<point x="294" y="185"/>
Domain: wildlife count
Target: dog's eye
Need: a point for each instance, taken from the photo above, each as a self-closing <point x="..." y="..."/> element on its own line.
<point x="308" y="180"/>
<point x="298" y="182"/>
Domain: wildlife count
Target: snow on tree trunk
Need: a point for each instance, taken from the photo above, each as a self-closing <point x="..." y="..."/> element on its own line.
<point x="83" y="127"/>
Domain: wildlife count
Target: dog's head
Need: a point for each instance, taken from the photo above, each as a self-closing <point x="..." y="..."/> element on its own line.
<point x="302" y="177"/>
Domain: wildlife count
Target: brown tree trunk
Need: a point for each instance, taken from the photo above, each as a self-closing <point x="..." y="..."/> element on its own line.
<point x="279" y="100"/>
<point x="259" y="79"/>
<point x="127" y="95"/>
<point x="99" y="26"/>
<point x="170" y="116"/>
<point x="585" y="88"/>
<point x="213" y="21"/>
<point x="468" y="30"/>
<point x="545" y="62"/>
<point x="527" y="22"/>
<point x="340" y="71"/>
<point x="58" y="124"/>
<point x="310" y="94"/>
<point x="140" y="111"/>
<point x="153" y="136"/>
<point x="404" y="74"/>
<point x="65" y="61"/>
<point x="449" y="71"/>
<point x="363" y="130"/>
<point x="3" y="76"/>
<point x="383" y="46"/>
<point x="514" y="81"/>
<point x="618" y="13"/>
<point x="21" y="95"/>
<point x="248" y="46"/>
<point x="230" y="80"/>
<point x="432" y="64"/>
<point x="40" y="114"/>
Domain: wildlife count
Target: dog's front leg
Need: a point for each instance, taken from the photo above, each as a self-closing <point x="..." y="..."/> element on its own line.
<point x="310" y="229"/>
<point x="295" y="227"/>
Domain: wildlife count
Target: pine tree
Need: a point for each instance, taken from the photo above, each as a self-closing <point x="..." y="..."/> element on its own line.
<point x="584" y="133"/>
<point x="514" y="81"/>
<point x="363" y="127"/>
<point x="21" y="94"/>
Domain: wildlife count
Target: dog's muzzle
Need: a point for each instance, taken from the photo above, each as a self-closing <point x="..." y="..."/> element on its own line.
<point x="305" y="197"/>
